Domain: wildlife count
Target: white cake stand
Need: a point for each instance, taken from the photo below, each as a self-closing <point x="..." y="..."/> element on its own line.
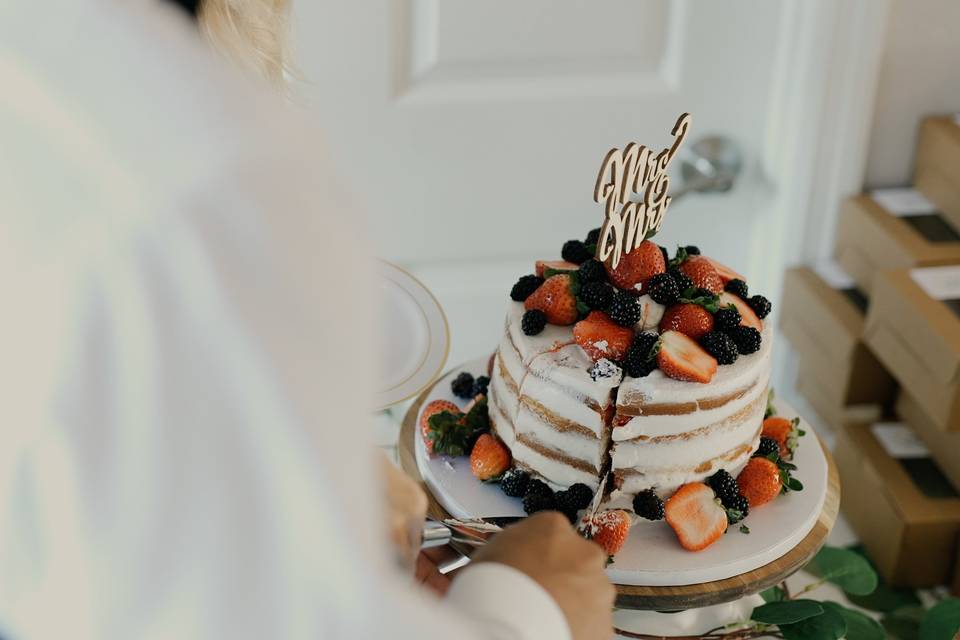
<point x="652" y="572"/>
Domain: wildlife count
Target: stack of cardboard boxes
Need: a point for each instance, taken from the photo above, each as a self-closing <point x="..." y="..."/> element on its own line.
<point x="878" y="339"/>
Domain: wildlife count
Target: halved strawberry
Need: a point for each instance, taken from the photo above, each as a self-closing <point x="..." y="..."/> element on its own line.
<point x="682" y="359"/>
<point x="608" y="529"/>
<point x="432" y="409"/>
<point x="638" y="266"/>
<point x="759" y="481"/>
<point x="555" y="298"/>
<point x="726" y="273"/>
<point x="489" y="457"/>
<point x="747" y="316"/>
<point x="687" y="318"/>
<point x="601" y="337"/>
<point x="701" y="271"/>
<point x="556" y="265"/>
<point x="696" y="516"/>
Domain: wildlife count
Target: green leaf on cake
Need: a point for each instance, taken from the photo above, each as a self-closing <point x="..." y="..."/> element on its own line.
<point x="859" y="626"/>
<point x="829" y="625"/>
<point x="847" y="569"/>
<point x="771" y="410"/>
<point x="451" y="434"/>
<point x="941" y="621"/>
<point x="786" y="611"/>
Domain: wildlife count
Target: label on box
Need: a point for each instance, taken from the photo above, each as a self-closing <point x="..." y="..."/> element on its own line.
<point x="899" y="440"/>
<point x="903" y="201"/>
<point x="940" y="283"/>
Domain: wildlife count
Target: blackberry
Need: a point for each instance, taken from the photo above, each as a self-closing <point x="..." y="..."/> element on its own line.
<point x="604" y="368"/>
<point x="567" y="504"/>
<point x="575" y="251"/>
<point x="593" y="237"/>
<point x="533" y="322"/>
<point x="624" y="309"/>
<point x="641" y="360"/>
<point x="720" y="346"/>
<point x="639" y="369"/>
<point x="647" y="504"/>
<point x="525" y="286"/>
<point x="534" y="502"/>
<point x="682" y="280"/>
<point x="514" y="483"/>
<point x="538" y="486"/>
<point x="737" y="287"/>
<point x="737" y="510"/>
<point x="692" y="250"/>
<point x="666" y="256"/>
<point x="663" y="289"/>
<point x="592" y="271"/>
<point x="725" y="486"/>
<point x="462" y="385"/>
<point x="760" y="305"/>
<point x="767" y="446"/>
<point x="596" y="295"/>
<point x="580" y="495"/>
<point x="480" y="385"/>
<point x="747" y="339"/>
<point x="726" y="318"/>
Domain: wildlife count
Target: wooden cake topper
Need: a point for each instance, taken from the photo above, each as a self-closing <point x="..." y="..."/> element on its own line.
<point x="634" y="170"/>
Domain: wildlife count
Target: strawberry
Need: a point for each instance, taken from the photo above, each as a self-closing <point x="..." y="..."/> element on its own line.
<point x="747" y="316"/>
<point x="696" y="516"/>
<point x="759" y="481"/>
<point x="726" y="273"/>
<point x="541" y="266"/>
<point x="703" y="274"/>
<point x="489" y="458"/>
<point x="601" y="337"/>
<point x="682" y="359"/>
<point x="687" y="318"/>
<point x="638" y="266"/>
<point x="608" y="529"/>
<point x="784" y="432"/>
<point x="432" y="409"/>
<point x="556" y="299"/>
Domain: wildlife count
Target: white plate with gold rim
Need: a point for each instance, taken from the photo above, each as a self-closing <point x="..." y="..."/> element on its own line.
<point x="415" y="339"/>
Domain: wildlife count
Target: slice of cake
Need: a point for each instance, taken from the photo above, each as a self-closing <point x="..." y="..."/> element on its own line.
<point x="655" y="372"/>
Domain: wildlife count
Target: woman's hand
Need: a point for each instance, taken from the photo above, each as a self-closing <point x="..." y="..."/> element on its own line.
<point x="406" y="511"/>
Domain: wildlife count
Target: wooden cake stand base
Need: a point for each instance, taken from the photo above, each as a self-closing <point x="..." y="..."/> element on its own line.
<point x="672" y="598"/>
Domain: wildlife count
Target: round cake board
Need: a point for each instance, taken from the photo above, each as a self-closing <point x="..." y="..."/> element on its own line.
<point x="652" y="571"/>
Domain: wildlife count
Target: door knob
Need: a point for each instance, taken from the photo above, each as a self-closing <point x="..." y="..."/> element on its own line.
<point x="711" y="164"/>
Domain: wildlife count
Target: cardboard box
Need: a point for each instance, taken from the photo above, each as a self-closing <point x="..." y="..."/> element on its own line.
<point x="913" y="327"/>
<point x="892" y="229"/>
<point x="944" y="446"/>
<point x="910" y="535"/>
<point x="823" y="315"/>
<point x="937" y="172"/>
<point x="820" y="396"/>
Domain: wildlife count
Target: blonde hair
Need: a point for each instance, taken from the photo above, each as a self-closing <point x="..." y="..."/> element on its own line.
<point x="253" y="32"/>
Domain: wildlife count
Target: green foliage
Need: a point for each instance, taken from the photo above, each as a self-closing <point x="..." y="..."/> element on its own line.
<point x="845" y="568"/>
<point x="773" y="594"/>
<point x="942" y="620"/>
<point x="786" y="611"/>
<point x="904" y="623"/>
<point x="451" y="433"/>
<point x="859" y="625"/>
<point x="829" y="625"/>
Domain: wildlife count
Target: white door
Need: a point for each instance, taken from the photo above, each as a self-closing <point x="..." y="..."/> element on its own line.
<point x="472" y="131"/>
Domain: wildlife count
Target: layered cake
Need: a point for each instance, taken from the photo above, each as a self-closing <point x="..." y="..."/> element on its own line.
<point x="653" y="374"/>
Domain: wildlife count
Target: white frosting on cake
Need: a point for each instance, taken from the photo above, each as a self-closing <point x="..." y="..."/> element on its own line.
<point x="569" y="443"/>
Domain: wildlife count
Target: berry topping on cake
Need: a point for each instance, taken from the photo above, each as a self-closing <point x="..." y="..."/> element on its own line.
<point x="539" y="497"/>
<point x="609" y="529"/>
<point x="596" y="295"/>
<point x="738" y="509"/>
<point x="760" y="305"/>
<point x="724" y="485"/>
<point x="641" y="358"/>
<point x="692" y="250"/>
<point x="600" y="337"/>
<point x="647" y="504"/>
<point x="514" y="483"/>
<point x="592" y="271"/>
<point x="720" y="346"/>
<point x="726" y="273"/>
<point x="759" y="481"/>
<point x="575" y="251"/>
<point x="593" y="237"/>
<point x="687" y="318"/>
<point x="666" y="254"/>
<point x="638" y="266"/>
<point x="555" y="297"/>
<point x="682" y="359"/>
<point x="768" y="447"/>
<point x="480" y="386"/>
<point x="682" y="280"/>
<point x="747" y="339"/>
<point x="737" y="287"/>
<point x="696" y="516"/>
<point x="462" y="385"/>
<point x="662" y="288"/>
<point x="533" y="322"/>
<point x="525" y="286"/>
<point x="726" y="318"/>
<point x="702" y="273"/>
<point x="489" y="458"/>
<point x="785" y="432"/>
<point x="579" y="496"/>
<point x="604" y="368"/>
<point x="553" y="266"/>
<point x="624" y="309"/>
<point x="747" y="316"/>
<point x="432" y="409"/>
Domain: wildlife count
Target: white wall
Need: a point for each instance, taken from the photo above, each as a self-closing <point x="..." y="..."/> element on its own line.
<point x="919" y="75"/>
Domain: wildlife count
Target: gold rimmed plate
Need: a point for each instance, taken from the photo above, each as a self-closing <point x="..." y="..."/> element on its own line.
<point x="415" y="339"/>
